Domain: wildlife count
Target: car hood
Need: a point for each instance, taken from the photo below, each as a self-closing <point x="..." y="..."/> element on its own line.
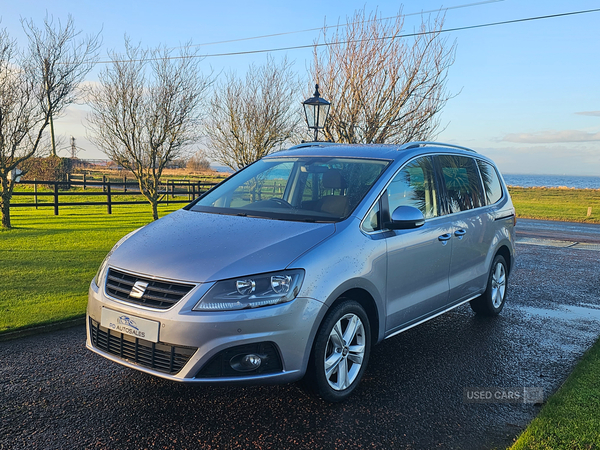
<point x="201" y="247"/>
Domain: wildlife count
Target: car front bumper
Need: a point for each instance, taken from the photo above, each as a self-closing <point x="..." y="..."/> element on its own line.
<point x="202" y="337"/>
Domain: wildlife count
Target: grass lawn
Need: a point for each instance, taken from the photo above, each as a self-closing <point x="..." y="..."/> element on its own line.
<point x="47" y="261"/>
<point x="571" y="417"/>
<point x="569" y="205"/>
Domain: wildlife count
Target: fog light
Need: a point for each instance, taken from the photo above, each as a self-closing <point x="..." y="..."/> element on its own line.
<point x="245" y="363"/>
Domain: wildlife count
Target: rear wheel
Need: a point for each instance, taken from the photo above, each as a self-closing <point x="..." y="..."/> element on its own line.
<point x="491" y="302"/>
<point x="340" y="352"/>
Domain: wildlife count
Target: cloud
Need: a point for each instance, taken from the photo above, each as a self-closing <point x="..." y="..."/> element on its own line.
<point x="589" y="113"/>
<point x="552" y="137"/>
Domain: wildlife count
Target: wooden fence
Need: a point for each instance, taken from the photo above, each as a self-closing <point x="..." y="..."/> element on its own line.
<point x="172" y="191"/>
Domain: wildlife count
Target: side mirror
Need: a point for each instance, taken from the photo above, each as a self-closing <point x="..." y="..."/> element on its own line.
<point x="406" y="218"/>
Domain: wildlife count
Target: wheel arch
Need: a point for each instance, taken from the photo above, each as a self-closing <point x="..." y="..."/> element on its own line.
<point x="507" y="255"/>
<point x="366" y="300"/>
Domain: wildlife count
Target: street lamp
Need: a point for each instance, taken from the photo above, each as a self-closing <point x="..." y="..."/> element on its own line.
<point x="316" y="110"/>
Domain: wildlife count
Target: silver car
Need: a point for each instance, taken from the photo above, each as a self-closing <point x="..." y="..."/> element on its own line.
<point x="299" y="263"/>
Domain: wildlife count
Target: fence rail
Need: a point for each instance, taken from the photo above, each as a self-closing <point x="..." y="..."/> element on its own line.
<point x="172" y="191"/>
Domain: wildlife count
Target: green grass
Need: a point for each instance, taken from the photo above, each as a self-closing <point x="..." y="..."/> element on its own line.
<point x="569" y="205"/>
<point x="571" y="417"/>
<point x="47" y="261"/>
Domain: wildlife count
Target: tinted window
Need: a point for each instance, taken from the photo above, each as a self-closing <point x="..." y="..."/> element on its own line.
<point x="414" y="186"/>
<point x="462" y="182"/>
<point x="491" y="182"/>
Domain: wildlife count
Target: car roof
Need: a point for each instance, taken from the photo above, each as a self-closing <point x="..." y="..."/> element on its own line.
<point x="378" y="151"/>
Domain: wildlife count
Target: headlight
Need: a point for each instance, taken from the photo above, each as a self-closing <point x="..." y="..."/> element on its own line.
<point x="252" y="291"/>
<point x="102" y="269"/>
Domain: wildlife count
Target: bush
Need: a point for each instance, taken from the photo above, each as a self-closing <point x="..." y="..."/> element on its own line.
<point x="51" y="168"/>
<point x="198" y="162"/>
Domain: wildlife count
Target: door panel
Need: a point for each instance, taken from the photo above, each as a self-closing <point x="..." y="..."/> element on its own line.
<point x="418" y="264"/>
<point x="418" y="259"/>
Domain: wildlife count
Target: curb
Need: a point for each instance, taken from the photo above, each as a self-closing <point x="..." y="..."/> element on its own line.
<point x="42" y="329"/>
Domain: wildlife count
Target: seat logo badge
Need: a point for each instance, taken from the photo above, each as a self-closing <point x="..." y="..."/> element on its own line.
<point x="138" y="289"/>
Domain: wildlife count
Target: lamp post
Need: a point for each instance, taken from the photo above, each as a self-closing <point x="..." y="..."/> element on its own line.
<point x="316" y="110"/>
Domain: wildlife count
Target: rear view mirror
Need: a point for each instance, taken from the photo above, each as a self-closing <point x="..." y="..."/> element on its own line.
<point x="406" y="218"/>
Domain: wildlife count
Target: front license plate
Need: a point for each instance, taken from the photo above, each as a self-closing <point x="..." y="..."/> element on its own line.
<point x="130" y="325"/>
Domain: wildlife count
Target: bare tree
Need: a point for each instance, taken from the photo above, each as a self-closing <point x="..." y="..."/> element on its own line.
<point x="146" y="111"/>
<point x="198" y="162"/>
<point x="57" y="64"/>
<point x="383" y="87"/>
<point x="250" y="118"/>
<point x="30" y="94"/>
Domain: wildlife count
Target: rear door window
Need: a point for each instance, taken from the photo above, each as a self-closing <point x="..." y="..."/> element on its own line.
<point x="462" y="183"/>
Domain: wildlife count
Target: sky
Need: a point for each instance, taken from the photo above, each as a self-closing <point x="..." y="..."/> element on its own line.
<point x="525" y="94"/>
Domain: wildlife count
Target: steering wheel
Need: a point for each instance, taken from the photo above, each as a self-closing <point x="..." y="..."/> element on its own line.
<point x="281" y="202"/>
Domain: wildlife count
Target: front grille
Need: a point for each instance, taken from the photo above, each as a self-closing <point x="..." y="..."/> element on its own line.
<point x="158" y="356"/>
<point x="158" y="294"/>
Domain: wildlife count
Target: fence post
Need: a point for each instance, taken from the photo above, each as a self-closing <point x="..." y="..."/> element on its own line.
<point x="84" y="181"/>
<point x="104" y="183"/>
<point x="56" y="198"/>
<point x="68" y="181"/>
<point x="108" y="198"/>
<point x="35" y="192"/>
<point x="124" y="183"/>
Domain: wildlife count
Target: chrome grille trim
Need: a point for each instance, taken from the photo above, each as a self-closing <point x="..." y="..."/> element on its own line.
<point x="158" y="294"/>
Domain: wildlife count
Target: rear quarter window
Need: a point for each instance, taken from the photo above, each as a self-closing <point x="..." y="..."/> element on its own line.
<point x="491" y="182"/>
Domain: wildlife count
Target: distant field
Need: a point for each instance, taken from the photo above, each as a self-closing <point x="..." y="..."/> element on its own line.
<point x="569" y="205"/>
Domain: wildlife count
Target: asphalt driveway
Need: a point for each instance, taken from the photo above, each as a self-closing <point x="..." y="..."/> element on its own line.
<point x="55" y="394"/>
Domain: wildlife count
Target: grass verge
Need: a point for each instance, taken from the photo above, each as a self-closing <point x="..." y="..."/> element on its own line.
<point x="47" y="261"/>
<point x="570" y="418"/>
<point x="570" y="205"/>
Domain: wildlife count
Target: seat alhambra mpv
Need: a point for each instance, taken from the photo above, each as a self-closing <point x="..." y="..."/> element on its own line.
<point x="298" y="264"/>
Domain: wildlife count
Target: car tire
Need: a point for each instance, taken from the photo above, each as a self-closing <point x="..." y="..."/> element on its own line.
<point x="491" y="302"/>
<point x="340" y="352"/>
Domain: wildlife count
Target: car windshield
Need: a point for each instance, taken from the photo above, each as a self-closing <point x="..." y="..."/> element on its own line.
<point x="319" y="189"/>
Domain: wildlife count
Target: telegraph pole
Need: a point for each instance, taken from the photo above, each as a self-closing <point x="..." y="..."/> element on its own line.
<point x="47" y="87"/>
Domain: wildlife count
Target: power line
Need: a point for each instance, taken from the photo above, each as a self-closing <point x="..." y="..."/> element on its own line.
<point x="326" y="44"/>
<point x="468" y="5"/>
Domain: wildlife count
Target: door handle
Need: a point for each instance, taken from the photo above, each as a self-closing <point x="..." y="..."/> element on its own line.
<point x="460" y="233"/>
<point x="444" y="238"/>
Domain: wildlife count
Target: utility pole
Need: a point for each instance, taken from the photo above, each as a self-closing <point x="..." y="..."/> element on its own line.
<point x="47" y="88"/>
<point x="73" y="148"/>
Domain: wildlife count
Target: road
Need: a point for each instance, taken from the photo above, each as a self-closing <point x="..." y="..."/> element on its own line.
<point x="55" y="394"/>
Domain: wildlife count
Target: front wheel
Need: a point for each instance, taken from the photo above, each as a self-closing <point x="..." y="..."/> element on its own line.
<point x="340" y="352"/>
<point x="491" y="302"/>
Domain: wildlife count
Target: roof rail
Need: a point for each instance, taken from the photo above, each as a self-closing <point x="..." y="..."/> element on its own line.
<point x="312" y="144"/>
<point x="418" y="144"/>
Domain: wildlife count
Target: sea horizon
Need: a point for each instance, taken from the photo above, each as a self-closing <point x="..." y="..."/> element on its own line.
<point x="552" y="181"/>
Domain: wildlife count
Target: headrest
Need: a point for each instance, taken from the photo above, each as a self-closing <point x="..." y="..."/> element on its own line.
<point x="333" y="179"/>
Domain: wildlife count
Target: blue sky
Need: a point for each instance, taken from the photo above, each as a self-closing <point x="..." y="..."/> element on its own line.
<point x="527" y="94"/>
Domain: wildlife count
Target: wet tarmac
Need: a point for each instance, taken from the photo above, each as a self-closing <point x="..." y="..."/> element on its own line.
<point x="55" y="394"/>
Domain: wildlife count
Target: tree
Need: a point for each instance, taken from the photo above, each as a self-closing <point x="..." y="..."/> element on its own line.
<point x="382" y="88"/>
<point x="32" y="93"/>
<point x="198" y="162"/>
<point x="250" y="118"/>
<point x="146" y="111"/>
